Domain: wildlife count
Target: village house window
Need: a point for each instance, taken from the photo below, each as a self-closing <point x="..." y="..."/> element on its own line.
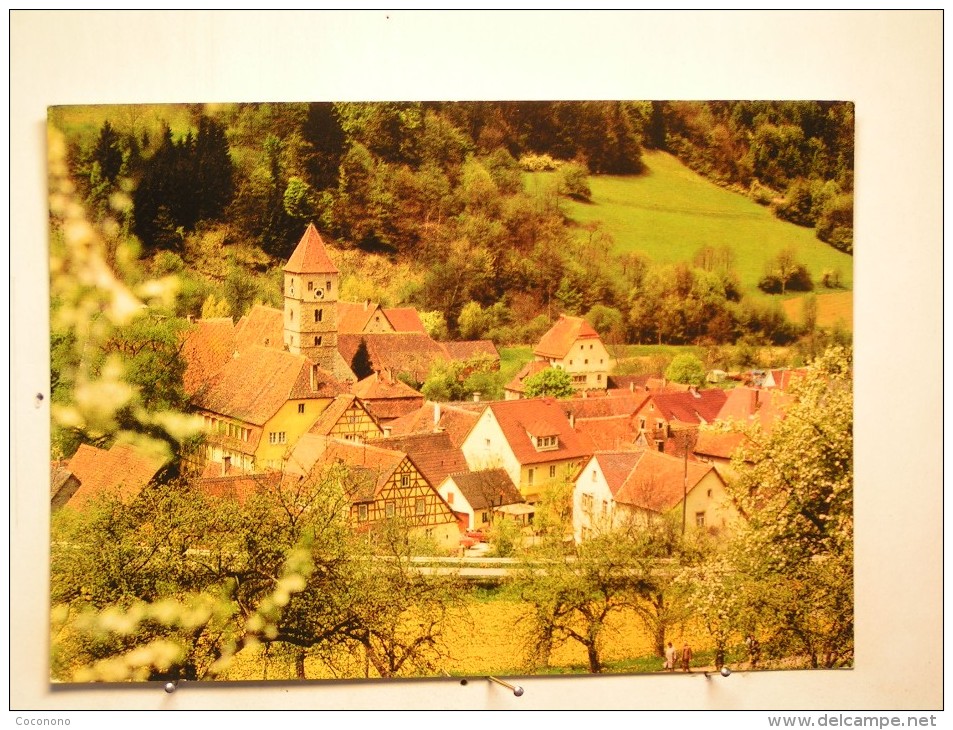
<point x="276" y="437"/>
<point x="586" y="361"/>
<point x="530" y="473"/>
<point x="552" y="471"/>
<point x="449" y="497"/>
<point x="420" y="507"/>
<point x="301" y="408"/>
<point x="362" y="513"/>
<point x="318" y="315"/>
<point x="327" y="285"/>
<point x="579" y="379"/>
<point x="585" y="533"/>
<point x="546" y="442"/>
<point x="594" y="475"/>
<point x="405" y="480"/>
<point x="605" y="508"/>
<point x="587" y="503"/>
<point x="317" y="341"/>
<point x="485" y="517"/>
<point x="641" y="423"/>
<point x="699" y="519"/>
<point x="709" y="493"/>
<point x="599" y="377"/>
<point x="389" y="509"/>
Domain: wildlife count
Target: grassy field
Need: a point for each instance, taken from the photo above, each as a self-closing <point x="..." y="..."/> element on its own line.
<point x="670" y="212"/>
<point x="512" y="359"/>
<point x="489" y="637"/>
<point x="833" y="309"/>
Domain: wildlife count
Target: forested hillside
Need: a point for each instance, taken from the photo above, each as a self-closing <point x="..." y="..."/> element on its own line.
<point x="473" y="211"/>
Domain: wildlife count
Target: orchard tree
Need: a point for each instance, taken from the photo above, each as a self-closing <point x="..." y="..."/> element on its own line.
<point x="790" y="560"/>
<point x="573" y="597"/>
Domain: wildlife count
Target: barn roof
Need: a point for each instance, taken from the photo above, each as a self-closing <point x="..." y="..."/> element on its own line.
<point x="563" y="335"/>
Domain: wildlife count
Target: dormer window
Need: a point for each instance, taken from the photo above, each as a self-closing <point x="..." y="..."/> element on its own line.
<point x="546" y="443"/>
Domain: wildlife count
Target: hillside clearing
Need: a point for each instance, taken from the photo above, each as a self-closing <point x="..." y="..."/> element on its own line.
<point x="670" y="212"/>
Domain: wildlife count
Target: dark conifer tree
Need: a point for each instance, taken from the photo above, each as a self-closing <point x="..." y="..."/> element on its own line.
<point x="361" y="362"/>
<point x="108" y="152"/>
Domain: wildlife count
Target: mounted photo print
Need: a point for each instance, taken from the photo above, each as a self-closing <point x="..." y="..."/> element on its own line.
<point x="450" y="389"/>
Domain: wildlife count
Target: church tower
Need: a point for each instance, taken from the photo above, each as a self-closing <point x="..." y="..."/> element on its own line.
<point x="311" y="294"/>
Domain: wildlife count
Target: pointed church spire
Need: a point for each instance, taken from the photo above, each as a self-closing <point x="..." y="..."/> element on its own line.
<point x="310" y="256"/>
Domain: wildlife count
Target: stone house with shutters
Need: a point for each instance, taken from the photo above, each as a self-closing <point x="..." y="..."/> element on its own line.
<point x="574" y="346"/>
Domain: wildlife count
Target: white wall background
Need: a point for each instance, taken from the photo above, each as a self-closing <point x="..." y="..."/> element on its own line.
<point x="888" y="62"/>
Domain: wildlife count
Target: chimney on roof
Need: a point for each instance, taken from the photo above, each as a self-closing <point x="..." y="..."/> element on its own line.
<point x="572" y="420"/>
<point x="367" y="304"/>
<point x="314" y="376"/>
<point x="387" y="431"/>
<point x="631" y="386"/>
<point x="436" y="414"/>
<point x="190" y="318"/>
<point x="476" y="396"/>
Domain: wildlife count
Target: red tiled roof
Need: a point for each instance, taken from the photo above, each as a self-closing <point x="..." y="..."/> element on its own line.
<point x="563" y="335"/>
<point x="381" y="462"/>
<point x="784" y="378"/>
<point x="433" y="454"/>
<point x="608" y="432"/>
<point x="383" y="384"/>
<point x="404" y="319"/>
<point x="310" y="255"/>
<point x="122" y="471"/>
<point x="239" y="487"/>
<point x="624" y="404"/>
<point x="354" y="316"/>
<point x="657" y="482"/>
<point x="531" y="368"/>
<point x="746" y="405"/>
<point x="690" y="406"/>
<point x="487" y="488"/>
<point x="208" y="345"/>
<point x="514" y="418"/>
<point x="456" y="420"/>
<point x="472" y="350"/>
<point x="720" y="444"/>
<point x="616" y="466"/>
<point x="262" y="326"/>
<point x="631" y="383"/>
<point x="400" y="352"/>
<point x="254" y="385"/>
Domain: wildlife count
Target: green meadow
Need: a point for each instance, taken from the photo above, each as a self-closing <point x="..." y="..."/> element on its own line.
<point x="669" y="212"/>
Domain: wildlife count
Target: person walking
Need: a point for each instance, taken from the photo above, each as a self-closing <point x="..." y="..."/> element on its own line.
<point x="686" y="658"/>
<point x="671" y="657"/>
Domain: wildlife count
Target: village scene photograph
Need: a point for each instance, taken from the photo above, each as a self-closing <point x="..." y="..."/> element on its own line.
<point x="376" y="390"/>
